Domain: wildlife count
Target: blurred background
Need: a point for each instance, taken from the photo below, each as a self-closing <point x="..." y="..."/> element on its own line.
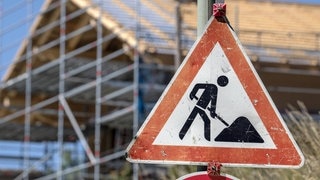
<point x="78" y="78"/>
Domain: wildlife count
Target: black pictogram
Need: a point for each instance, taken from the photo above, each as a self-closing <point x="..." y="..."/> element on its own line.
<point x="241" y="130"/>
<point x="207" y="100"/>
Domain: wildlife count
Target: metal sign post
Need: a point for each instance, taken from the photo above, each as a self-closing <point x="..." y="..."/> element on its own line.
<point x="204" y="12"/>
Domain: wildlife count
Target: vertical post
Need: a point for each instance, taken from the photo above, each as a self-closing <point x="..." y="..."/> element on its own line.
<point x="177" y="60"/>
<point x="204" y="9"/>
<point x="61" y="85"/>
<point x="210" y="7"/>
<point x="98" y="96"/>
<point x="204" y="12"/>
<point x="46" y="151"/>
<point x="27" y="97"/>
<point x="136" y="94"/>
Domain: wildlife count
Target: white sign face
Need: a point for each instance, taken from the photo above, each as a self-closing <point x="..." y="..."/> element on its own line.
<point x="216" y="108"/>
<point x="215" y="111"/>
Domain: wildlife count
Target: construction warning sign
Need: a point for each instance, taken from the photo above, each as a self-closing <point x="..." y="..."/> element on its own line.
<point x="216" y="109"/>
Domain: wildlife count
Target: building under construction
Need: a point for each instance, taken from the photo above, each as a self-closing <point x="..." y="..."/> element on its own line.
<point x="87" y="73"/>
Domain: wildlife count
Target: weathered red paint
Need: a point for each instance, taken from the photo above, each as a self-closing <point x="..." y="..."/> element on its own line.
<point x="284" y="155"/>
<point x="207" y="177"/>
<point x="204" y="176"/>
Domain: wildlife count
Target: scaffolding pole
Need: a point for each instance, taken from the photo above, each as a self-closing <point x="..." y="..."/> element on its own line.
<point x="61" y="86"/>
<point x="28" y="97"/>
<point x="136" y="94"/>
<point x="77" y="129"/>
<point x="177" y="59"/>
<point x="98" y="94"/>
<point x="84" y="165"/>
<point x="69" y="93"/>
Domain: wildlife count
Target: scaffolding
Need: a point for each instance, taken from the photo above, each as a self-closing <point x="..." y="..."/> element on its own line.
<point x="77" y="83"/>
<point x="84" y="76"/>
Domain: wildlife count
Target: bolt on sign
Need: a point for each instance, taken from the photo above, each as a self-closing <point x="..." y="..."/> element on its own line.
<point x="216" y="108"/>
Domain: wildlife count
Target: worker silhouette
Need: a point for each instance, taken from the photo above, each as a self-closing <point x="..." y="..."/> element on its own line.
<point x="207" y="100"/>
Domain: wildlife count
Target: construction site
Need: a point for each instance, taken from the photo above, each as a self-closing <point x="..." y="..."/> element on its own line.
<point x="79" y="77"/>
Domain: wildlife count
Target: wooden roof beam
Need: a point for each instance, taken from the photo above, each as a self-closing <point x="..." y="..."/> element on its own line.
<point x="109" y="24"/>
<point x="45" y="36"/>
<point x="73" y="42"/>
<point x="45" y="56"/>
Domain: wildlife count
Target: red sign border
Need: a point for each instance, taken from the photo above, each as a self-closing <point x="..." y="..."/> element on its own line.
<point x="287" y="153"/>
<point x="203" y="175"/>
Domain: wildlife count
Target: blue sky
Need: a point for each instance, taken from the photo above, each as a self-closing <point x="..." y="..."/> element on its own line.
<point x="14" y="27"/>
<point x="13" y="13"/>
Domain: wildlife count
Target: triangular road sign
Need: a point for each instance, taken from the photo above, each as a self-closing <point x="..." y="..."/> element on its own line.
<point x="216" y="109"/>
